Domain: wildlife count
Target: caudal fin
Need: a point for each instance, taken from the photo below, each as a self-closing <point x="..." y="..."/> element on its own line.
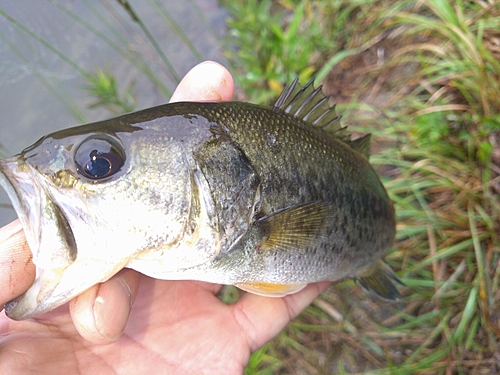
<point x="381" y="279"/>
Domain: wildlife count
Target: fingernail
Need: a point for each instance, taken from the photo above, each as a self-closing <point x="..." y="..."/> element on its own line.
<point x="112" y="308"/>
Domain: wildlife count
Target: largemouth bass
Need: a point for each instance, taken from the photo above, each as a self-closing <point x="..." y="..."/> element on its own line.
<point x="267" y="199"/>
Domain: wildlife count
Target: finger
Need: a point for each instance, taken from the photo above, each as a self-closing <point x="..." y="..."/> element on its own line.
<point x="100" y="314"/>
<point x="206" y="81"/>
<point x="17" y="272"/>
<point x="262" y="318"/>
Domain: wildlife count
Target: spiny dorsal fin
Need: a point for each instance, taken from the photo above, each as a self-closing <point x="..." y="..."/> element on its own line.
<point x="311" y="106"/>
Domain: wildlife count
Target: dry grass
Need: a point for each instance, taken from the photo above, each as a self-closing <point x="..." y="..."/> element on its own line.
<point x="424" y="78"/>
<point x="425" y="83"/>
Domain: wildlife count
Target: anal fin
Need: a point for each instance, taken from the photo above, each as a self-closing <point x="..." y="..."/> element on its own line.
<point x="270" y="289"/>
<point x="381" y="279"/>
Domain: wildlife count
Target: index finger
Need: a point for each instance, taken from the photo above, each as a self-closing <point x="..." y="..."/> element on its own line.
<point x="207" y="81"/>
<point x="17" y="271"/>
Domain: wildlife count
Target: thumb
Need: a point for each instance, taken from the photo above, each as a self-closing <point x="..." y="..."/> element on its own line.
<point x="206" y="81"/>
<point x="100" y="314"/>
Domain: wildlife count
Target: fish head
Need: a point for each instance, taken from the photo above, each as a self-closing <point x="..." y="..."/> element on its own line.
<point x="90" y="200"/>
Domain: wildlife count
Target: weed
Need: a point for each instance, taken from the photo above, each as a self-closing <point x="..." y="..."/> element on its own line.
<point x="423" y="78"/>
<point x="104" y="88"/>
<point x="272" y="42"/>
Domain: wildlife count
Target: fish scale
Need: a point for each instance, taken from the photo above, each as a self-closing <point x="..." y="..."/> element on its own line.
<point x="267" y="199"/>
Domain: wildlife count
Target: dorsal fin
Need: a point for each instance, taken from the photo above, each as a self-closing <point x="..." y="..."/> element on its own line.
<point x="311" y="106"/>
<point x="362" y="145"/>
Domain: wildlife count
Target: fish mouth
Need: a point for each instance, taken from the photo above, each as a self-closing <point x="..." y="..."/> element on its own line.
<point x="24" y="195"/>
<point x="60" y="276"/>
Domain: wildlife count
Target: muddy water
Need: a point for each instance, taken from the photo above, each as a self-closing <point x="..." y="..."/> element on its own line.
<point x="32" y="75"/>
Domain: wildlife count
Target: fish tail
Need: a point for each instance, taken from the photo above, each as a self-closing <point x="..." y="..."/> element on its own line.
<point x="381" y="279"/>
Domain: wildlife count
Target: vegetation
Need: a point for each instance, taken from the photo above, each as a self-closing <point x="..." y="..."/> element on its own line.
<point x="423" y="77"/>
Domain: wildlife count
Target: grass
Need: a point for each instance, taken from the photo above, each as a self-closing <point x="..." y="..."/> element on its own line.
<point x="275" y="41"/>
<point x="103" y="87"/>
<point x="422" y="77"/>
<point x="136" y="45"/>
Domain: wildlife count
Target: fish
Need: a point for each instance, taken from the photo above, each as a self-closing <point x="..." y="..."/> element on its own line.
<point x="268" y="199"/>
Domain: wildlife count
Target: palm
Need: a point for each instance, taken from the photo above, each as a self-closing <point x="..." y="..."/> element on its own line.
<point x="174" y="327"/>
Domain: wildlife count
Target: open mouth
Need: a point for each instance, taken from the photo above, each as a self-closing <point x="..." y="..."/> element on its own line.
<point x="24" y="196"/>
<point x="61" y="274"/>
<point x="48" y="233"/>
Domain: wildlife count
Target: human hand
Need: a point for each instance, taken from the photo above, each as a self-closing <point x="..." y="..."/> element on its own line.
<point x="132" y="324"/>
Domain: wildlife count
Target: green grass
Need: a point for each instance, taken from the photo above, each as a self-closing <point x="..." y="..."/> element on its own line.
<point x="432" y="105"/>
<point x="422" y="77"/>
<point x="103" y="87"/>
<point x="273" y="42"/>
<point x="151" y="63"/>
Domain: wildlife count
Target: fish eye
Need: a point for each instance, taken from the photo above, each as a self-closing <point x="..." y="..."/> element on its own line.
<point x="99" y="157"/>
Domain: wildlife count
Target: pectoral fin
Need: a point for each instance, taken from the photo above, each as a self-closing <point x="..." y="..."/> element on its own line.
<point x="271" y="290"/>
<point x="296" y="227"/>
<point x="381" y="279"/>
<point x="292" y="229"/>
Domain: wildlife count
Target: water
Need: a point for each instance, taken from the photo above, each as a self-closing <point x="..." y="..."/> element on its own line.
<point x="40" y="92"/>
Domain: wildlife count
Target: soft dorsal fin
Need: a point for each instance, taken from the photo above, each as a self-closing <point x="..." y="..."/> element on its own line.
<point x="309" y="105"/>
<point x="362" y="145"/>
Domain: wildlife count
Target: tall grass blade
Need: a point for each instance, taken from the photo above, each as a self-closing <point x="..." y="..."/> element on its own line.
<point x="44" y="43"/>
<point x="135" y="60"/>
<point x="177" y="29"/>
<point x="58" y="93"/>
<point x="126" y="5"/>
